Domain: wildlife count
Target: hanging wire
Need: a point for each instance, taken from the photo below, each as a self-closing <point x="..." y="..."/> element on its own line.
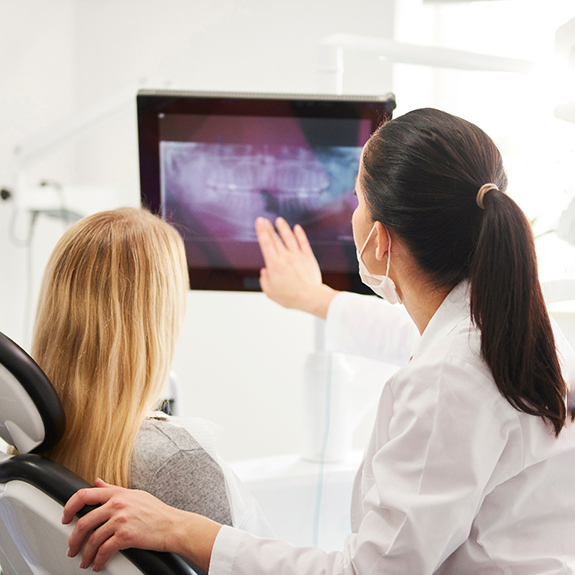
<point x="29" y="277"/>
<point x="21" y="242"/>
<point x="321" y="476"/>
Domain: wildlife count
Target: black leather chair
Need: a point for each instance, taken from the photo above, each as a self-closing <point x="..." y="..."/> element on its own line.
<point x="33" y="489"/>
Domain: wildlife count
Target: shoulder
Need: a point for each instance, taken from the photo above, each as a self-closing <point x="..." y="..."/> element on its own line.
<point x="451" y="378"/>
<point x="158" y="442"/>
<point x="453" y="360"/>
<point x="171" y="465"/>
<point x="445" y="412"/>
<point x="155" y="432"/>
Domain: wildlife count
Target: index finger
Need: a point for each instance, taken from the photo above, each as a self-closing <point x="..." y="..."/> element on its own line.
<point x="302" y="239"/>
<point x="287" y="234"/>
<point x="270" y="243"/>
<point x="83" y="497"/>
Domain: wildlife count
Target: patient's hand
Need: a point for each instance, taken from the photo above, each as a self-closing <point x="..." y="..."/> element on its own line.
<point x="130" y="518"/>
<point x="291" y="276"/>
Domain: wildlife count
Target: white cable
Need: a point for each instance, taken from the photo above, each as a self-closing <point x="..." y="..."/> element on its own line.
<point x="29" y="279"/>
<point x="320" y="481"/>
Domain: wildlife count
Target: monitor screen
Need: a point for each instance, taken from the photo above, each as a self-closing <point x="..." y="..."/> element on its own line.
<point x="212" y="163"/>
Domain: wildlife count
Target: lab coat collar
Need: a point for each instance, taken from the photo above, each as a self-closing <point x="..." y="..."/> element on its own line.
<point x="453" y="311"/>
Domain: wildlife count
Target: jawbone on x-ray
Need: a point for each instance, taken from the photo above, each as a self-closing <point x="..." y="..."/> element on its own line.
<point x="214" y="192"/>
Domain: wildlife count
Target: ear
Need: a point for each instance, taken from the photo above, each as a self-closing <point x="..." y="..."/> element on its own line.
<point x="382" y="238"/>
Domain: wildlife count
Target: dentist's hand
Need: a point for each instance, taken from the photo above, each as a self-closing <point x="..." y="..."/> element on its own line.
<point x="129" y="518"/>
<point x="291" y="276"/>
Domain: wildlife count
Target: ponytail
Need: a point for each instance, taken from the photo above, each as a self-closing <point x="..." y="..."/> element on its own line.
<point x="507" y="305"/>
<point x="425" y="176"/>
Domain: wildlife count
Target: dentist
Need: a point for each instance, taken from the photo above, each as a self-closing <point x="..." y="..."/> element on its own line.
<point x="471" y="464"/>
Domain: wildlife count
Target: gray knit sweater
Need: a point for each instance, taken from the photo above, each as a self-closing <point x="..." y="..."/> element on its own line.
<point x="171" y="465"/>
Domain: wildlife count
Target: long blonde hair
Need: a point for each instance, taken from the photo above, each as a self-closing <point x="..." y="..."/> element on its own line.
<point x="110" y="310"/>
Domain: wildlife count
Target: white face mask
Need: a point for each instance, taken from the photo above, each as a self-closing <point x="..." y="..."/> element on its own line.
<point x="381" y="285"/>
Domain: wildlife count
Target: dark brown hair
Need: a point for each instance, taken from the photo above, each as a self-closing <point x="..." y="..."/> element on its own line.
<point x="421" y="175"/>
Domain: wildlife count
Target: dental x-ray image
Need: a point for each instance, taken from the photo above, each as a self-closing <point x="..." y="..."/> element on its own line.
<point x="218" y="174"/>
<point x="214" y="193"/>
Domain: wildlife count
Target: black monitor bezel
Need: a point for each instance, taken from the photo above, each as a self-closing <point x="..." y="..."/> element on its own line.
<point x="151" y="103"/>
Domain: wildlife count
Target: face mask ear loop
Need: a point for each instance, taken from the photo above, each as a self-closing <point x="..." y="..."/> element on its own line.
<point x="388" y="253"/>
<point x="367" y="240"/>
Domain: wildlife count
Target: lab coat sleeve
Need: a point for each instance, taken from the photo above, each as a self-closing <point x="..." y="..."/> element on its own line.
<point x="370" y="327"/>
<point x="420" y="490"/>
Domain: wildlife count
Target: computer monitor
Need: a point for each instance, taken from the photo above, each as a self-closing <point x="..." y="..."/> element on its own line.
<point x="211" y="163"/>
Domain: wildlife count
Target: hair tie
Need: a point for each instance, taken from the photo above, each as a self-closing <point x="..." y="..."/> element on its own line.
<point x="482" y="191"/>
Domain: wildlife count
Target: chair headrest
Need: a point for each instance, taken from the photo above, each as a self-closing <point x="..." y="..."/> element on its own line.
<point x="31" y="416"/>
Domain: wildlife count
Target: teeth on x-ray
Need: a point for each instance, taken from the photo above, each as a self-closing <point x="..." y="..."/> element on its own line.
<point x="254" y="180"/>
<point x="227" y="186"/>
<point x="294" y="178"/>
<point x="300" y="182"/>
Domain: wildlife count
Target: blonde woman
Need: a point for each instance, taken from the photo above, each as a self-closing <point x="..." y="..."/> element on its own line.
<point x="111" y="306"/>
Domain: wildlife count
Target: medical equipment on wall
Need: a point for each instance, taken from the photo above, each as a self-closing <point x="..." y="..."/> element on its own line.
<point x="59" y="199"/>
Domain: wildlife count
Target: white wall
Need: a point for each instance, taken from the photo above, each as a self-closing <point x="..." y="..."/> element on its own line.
<point x="240" y="357"/>
<point x="37" y="87"/>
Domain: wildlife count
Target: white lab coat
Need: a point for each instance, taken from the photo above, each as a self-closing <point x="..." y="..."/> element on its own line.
<point x="454" y="480"/>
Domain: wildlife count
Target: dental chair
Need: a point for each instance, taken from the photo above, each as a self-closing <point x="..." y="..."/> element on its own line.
<point x="33" y="489"/>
